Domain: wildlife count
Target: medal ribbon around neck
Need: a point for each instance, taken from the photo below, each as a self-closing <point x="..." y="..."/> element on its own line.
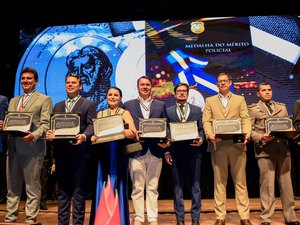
<point x="144" y="106"/>
<point x="24" y="101"/>
<point x="69" y="104"/>
<point x="116" y="111"/>
<point x="184" y="113"/>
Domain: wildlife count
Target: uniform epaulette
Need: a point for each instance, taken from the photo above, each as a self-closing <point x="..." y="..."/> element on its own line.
<point x="280" y="103"/>
<point x="252" y="105"/>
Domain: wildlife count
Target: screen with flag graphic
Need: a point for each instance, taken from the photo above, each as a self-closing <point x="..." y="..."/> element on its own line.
<point x="196" y="51"/>
<point x="251" y="49"/>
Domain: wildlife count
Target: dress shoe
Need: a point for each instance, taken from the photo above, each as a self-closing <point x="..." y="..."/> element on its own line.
<point x="265" y="223"/>
<point x="195" y="222"/>
<point x="43" y="207"/>
<point x="246" y="222"/>
<point x="220" y="222"/>
<point x="293" y="223"/>
<point x="31" y="221"/>
<point x="180" y="223"/>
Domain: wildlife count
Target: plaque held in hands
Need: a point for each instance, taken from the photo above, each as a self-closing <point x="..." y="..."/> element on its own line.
<point x="229" y="129"/>
<point x="183" y="131"/>
<point x="65" y="125"/>
<point x="281" y="127"/>
<point x="109" y="128"/>
<point x="17" y="123"/>
<point x="153" y="127"/>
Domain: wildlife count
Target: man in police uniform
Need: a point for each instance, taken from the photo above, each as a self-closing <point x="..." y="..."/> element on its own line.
<point x="273" y="158"/>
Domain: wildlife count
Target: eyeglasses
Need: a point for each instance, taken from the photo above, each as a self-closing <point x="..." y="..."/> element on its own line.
<point x="184" y="91"/>
<point x="223" y="81"/>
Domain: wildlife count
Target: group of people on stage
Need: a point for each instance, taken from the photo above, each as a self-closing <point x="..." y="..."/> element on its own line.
<point x="25" y="155"/>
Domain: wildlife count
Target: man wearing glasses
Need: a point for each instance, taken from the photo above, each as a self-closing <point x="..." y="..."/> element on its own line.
<point x="185" y="156"/>
<point x="225" y="153"/>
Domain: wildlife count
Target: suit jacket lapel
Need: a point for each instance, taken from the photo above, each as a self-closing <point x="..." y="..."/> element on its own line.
<point x="220" y="106"/>
<point x="229" y="105"/>
<point x="152" y="108"/>
<point x="263" y="110"/>
<point x="18" y="99"/>
<point x="77" y="105"/>
<point x="191" y="112"/>
<point x="32" y="100"/>
<point x="175" y="114"/>
<point x="138" y="107"/>
<point x="276" y="110"/>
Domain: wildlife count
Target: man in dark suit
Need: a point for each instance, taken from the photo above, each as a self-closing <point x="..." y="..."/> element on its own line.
<point x="71" y="157"/>
<point x="3" y="109"/>
<point x="145" y="166"/>
<point x="185" y="156"/>
<point x="26" y="154"/>
<point x="273" y="158"/>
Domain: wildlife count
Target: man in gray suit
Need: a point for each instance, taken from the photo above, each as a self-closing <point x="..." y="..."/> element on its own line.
<point x="26" y="154"/>
<point x="225" y="153"/>
<point x="273" y="158"/>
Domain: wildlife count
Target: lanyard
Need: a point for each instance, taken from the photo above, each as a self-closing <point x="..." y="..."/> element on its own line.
<point x="146" y="108"/>
<point x="116" y="112"/>
<point x="69" y="103"/>
<point x="24" y="100"/>
<point x="182" y="109"/>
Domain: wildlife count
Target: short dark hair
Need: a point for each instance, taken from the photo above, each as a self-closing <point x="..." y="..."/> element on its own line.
<point x="143" y="77"/>
<point x="182" y="84"/>
<point x="261" y="84"/>
<point x="74" y="75"/>
<point x="116" y="88"/>
<point x="32" y="71"/>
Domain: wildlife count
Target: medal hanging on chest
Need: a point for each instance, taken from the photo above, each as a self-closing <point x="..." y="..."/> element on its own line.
<point x="183" y="112"/>
<point x="146" y="107"/>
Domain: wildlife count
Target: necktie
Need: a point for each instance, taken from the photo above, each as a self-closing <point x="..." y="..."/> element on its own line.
<point x="182" y="113"/>
<point x="70" y="104"/>
<point x="269" y="107"/>
<point x="23" y="102"/>
<point x="181" y="107"/>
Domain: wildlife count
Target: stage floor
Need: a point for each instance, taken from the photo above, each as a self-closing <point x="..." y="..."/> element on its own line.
<point x="166" y="213"/>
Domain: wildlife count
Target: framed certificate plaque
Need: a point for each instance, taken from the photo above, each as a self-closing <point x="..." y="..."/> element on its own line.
<point x="183" y="131"/>
<point x="153" y="127"/>
<point x="229" y="129"/>
<point x="109" y="128"/>
<point x="17" y="123"/>
<point x="65" y="125"/>
<point x="281" y="127"/>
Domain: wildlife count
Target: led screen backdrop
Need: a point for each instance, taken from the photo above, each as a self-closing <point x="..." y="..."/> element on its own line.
<point x="104" y="55"/>
<point x="196" y="51"/>
<point x="251" y="49"/>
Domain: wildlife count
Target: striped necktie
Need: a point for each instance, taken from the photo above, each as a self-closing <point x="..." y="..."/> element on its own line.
<point x="70" y="104"/>
<point x="23" y="102"/>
